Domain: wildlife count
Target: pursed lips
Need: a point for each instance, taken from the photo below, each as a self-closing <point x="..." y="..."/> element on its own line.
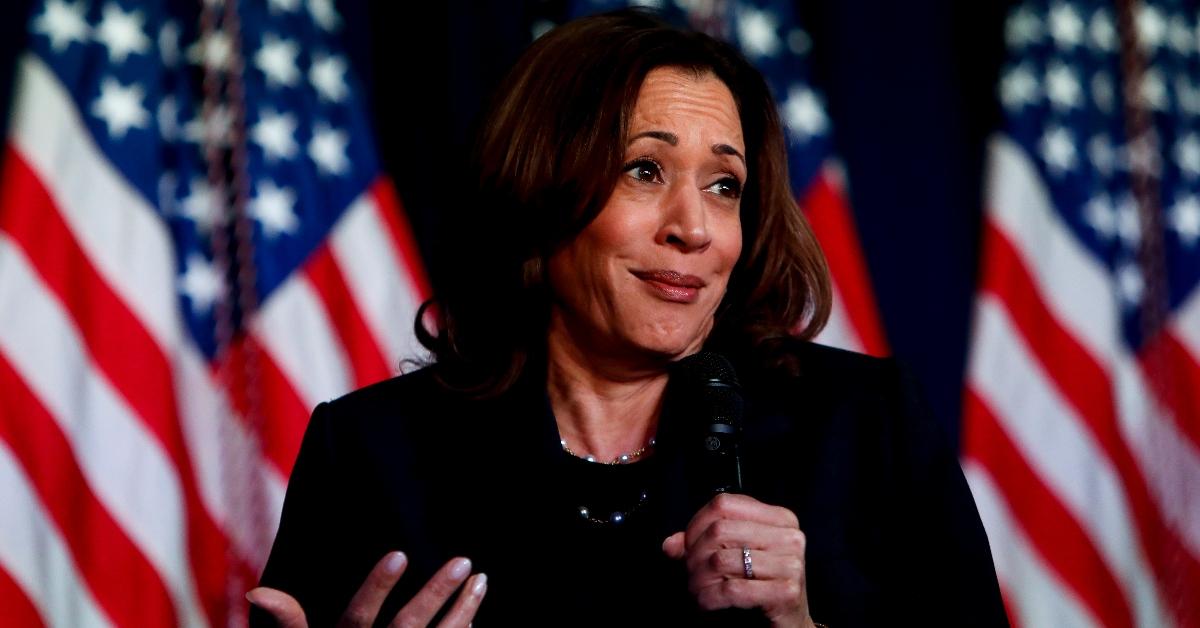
<point x="671" y="285"/>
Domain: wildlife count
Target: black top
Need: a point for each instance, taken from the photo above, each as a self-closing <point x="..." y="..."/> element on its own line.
<point x="893" y="533"/>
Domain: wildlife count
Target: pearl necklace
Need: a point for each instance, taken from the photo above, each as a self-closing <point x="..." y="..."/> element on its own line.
<point x="621" y="459"/>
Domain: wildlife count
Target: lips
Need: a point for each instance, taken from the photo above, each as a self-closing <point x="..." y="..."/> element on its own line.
<point x="671" y="285"/>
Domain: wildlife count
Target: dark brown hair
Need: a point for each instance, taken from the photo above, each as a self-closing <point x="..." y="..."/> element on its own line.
<point x="548" y="156"/>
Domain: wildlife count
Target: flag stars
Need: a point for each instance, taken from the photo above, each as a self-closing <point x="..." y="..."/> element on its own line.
<point x="1180" y="37"/>
<point x="324" y="14"/>
<point x="1129" y="223"/>
<point x="1130" y="284"/>
<point x="202" y="206"/>
<point x="1018" y="88"/>
<point x="168" y="44"/>
<point x="1187" y="96"/>
<point x="756" y="32"/>
<point x="804" y="114"/>
<point x="1154" y="90"/>
<point x="1058" y="150"/>
<point x="1062" y="87"/>
<point x="62" y="23"/>
<point x="1101" y="153"/>
<point x="799" y="42"/>
<point x="275" y="133"/>
<point x="327" y="149"/>
<point x="200" y="283"/>
<point x="1102" y="32"/>
<point x="1187" y="155"/>
<point x="274" y="208"/>
<point x="1022" y="28"/>
<point x="213" y="127"/>
<point x="277" y="60"/>
<point x="1101" y="217"/>
<point x="122" y="33"/>
<point x="1151" y="27"/>
<point x="168" y="118"/>
<point x="1065" y="26"/>
<point x="328" y="76"/>
<point x="1185" y="219"/>
<point x="283" y="6"/>
<point x="214" y="51"/>
<point x="120" y="107"/>
<point x="1103" y="92"/>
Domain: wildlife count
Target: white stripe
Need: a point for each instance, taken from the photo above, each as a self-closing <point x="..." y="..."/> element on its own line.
<point x="378" y="279"/>
<point x="37" y="557"/>
<point x="123" y="463"/>
<point x="297" y="335"/>
<point x="1033" y="590"/>
<point x="1079" y="292"/>
<point x="1049" y="435"/>
<point x="1186" y="325"/>
<point x="839" y="331"/>
<point x="122" y="235"/>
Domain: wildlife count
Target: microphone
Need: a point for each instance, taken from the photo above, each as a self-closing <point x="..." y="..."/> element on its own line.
<point x="714" y="395"/>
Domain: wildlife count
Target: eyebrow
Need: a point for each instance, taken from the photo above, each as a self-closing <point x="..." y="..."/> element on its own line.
<point x="673" y="140"/>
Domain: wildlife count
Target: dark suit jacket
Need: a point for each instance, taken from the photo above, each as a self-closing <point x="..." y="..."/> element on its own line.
<point x="893" y="534"/>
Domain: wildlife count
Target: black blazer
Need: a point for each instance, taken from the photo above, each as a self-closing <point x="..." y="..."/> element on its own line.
<point x="893" y="534"/>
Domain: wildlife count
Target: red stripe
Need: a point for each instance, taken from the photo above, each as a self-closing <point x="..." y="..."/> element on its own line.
<point x="125" y="584"/>
<point x="366" y="360"/>
<point x="1086" y="386"/>
<point x="1055" y="534"/>
<point x="19" y="611"/>
<point x="120" y="347"/>
<point x="831" y="220"/>
<point x="1171" y="371"/>
<point x="282" y="413"/>
<point x="391" y="212"/>
<point x="1009" y="609"/>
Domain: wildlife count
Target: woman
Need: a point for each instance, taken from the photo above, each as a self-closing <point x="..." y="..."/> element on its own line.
<point x="632" y="208"/>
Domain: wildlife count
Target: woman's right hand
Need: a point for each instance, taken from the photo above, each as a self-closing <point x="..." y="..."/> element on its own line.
<point x="364" y="606"/>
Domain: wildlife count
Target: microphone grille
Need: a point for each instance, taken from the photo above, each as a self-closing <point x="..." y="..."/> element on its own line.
<point x="708" y="366"/>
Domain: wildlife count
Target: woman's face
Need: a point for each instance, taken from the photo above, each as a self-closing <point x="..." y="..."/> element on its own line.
<point x="646" y="276"/>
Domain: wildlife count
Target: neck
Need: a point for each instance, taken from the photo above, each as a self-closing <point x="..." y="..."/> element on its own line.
<point x="604" y="407"/>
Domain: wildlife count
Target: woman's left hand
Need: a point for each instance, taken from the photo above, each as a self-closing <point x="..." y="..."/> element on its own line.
<point x="712" y="546"/>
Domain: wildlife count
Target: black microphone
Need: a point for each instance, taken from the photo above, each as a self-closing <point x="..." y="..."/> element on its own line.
<point x="713" y="395"/>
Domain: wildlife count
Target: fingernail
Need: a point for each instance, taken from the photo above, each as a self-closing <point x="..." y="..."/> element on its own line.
<point x="460" y="569"/>
<point x="395" y="563"/>
<point x="480" y="585"/>
<point x="252" y="597"/>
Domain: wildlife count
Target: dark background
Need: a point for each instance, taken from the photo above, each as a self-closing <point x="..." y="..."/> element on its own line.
<point x="910" y="90"/>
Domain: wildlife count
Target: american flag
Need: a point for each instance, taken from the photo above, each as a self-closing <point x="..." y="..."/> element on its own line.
<point x="197" y="245"/>
<point x="769" y="35"/>
<point x="1082" y="419"/>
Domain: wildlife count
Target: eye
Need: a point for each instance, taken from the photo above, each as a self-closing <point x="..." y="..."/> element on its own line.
<point x="644" y="170"/>
<point x="729" y="187"/>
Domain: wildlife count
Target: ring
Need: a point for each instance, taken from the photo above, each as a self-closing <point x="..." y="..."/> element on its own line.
<point x="747" y="563"/>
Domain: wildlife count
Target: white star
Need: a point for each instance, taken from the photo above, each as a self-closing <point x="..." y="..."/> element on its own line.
<point x="756" y="32"/>
<point x="1185" y="219"/>
<point x="1187" y="155"/>
<point x="168" y="43"/>
<point x="1141" y="155"/>
<point x="1180" y="37"/>
<point x="1103" y="93"/>
<point x="1154" y="90"/>
<point x="287" y="6"/>
<point x="1130" y="284"/>
<point x="121" y="33"/>
<point x="1102" y="32"/>
<point x="201" y="283"/>
<point x="1151" y="27"/>
<point x="214" y="51"/>
<point x="324" y="14"/>
<point x="1062" y="88"/>
<point x="168" y="118"/>
<point x="1022" y="28"/>
<point x="277" y="60"/>
<point x="328" y="75"/>
<point x="120" y="107"/>
<point x="202" y="206"/>
<point x="1100" y="151"/>
<point x="1129" y="223"/>
<point x="1187" y="96"/>
<point x="276" y="134"/>
<point x="274" y="208"/>
<point x="214" y="127"/>
<point x="1058" y="150"/>
<point x="1065" y="26"/>
<point x="62" y="23"/>
<point x="1018" y="88"/>
<point x="327" y="149"/>
<point x="804" y="114"/>
<point x="1101" y="217"/>
<point x="799" y="42"/>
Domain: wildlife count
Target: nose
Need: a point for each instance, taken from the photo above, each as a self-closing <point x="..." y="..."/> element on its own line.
<point x="684" y="225"/>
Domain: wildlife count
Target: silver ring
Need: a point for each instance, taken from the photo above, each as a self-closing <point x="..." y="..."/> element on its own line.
<point x="747" y="563"/>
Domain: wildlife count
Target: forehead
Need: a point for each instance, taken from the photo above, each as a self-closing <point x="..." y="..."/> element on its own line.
<point x="678" y="101"/>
